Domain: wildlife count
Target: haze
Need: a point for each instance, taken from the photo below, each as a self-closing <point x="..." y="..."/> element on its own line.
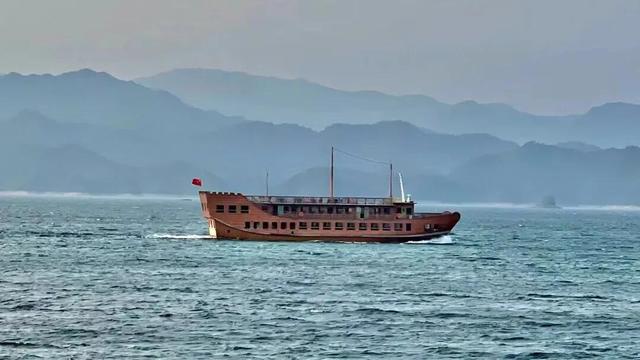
<point x="545" y="57"/>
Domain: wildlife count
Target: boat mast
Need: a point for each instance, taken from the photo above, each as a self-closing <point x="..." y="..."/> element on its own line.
<point x="331" y="176"/>
<point x="266" y="182"/>
<point x="391" y="180"/>
<point x="401" y="187"/>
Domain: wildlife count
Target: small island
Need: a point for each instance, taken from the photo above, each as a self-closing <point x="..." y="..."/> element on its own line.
<point x="548" y="202"/>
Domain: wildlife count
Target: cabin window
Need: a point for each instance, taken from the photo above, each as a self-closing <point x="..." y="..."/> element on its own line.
<point x="351" y="226"/>
<point x="398" y="210"/>
<point x="294" y="209"/>
<point x="315" y="226"/>
<point x="283" y="225"/>
<point x="339" y="226"/>
<point x="339" y="210"/>
<point x="321" y="210"/>
<point x="409" y="211"/>
<point x="330" y="210"/>
<point x="265" y="208"/>
<point x="219" y="208"/>
<point x="326" y="226"/>
<point x="286" y="209"/>
<point x="232" y="209"/>
<point x="362" y="226"/>
<point x="313" y="209"/>
<point x="427" y="227"/>
<point x="386" y="211"/>
<point x="265" y="225"/>
<point x="407" y="226"/>
<point x="303" y="225"/>
<point x="256" y="225"/>
<point x="397" y="226"/>
<point x="375" y="227"/>
<point x="274" y="225"/>
<point x="244" y="209"/>
<point x="292" y="225"/>
<point x="386" y="227"/>
<point x="247" y="224"/>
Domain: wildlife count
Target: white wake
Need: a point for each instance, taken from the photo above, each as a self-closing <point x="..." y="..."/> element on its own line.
<point x="443" y="240"/>
<point x="182" y="237"/>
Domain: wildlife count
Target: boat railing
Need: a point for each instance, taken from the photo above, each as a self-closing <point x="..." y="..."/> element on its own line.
<point x="427" y="215"/>
<point x="319" y="200"/>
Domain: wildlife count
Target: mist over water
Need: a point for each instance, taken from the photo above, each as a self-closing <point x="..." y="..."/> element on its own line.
<point x="128" y="278"/>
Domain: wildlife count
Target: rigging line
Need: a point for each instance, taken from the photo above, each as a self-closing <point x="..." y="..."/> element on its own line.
<point x="361" y="157"/>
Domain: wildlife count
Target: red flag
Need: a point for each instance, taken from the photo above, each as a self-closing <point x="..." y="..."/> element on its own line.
<point x="196" y="182"/>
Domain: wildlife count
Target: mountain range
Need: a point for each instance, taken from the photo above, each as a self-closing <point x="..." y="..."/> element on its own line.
<point x="97" y="98"/>
<point x="87" y="131"/>
<point x="313" y="105"/>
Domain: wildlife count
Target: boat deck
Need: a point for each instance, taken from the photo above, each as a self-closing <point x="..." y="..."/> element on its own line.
<point x="321" y="200"/>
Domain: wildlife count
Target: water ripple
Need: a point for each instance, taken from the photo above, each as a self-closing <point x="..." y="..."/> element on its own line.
<point x="113" y="279"/>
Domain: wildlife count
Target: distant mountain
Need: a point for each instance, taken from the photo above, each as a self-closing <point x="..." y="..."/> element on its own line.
<point x="523" y="175"/>
<point x="247" y="150"/>
<point x="89" y="132"/>
<point x="577" y="145"/>
<point x="613" y="124"/>
<point x="241" y="153"/>
<point x="349" y="182"/>
<point x="42" y="154"/>
<point x="286" y="101"/>
<point x="127" y="146"/>
<point x="72" y="168"/>
<point x="96" y="98"/>
<point x="534" y="170"/>
<point x="316" y="106"/>
<point x="410" y="147"/>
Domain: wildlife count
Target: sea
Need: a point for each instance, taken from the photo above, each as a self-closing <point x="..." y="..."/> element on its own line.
<point x="87" y="277"/>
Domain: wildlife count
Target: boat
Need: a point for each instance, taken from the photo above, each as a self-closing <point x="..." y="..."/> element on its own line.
<point x="310" y="218"/>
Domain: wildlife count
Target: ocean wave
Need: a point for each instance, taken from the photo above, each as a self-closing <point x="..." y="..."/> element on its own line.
<point x="492" y="205"/>
<point x="182" y="237"/>
<point x="523" y="206"/>
<point x="81" y="195"/>
<point x="605" y="207"/>
<point x="443" y="240"/>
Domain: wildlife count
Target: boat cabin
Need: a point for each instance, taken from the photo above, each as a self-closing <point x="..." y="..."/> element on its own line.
<point x="347" y="207"/>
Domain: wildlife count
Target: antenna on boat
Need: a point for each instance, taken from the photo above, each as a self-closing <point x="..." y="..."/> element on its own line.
<point x="266" y="182"/>
<point x="401" y="187"/>
<point x="331" y="175"/>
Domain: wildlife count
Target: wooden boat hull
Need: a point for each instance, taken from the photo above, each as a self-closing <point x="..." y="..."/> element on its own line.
<point x="378" y="220"/>
<point x="226" y="232"/>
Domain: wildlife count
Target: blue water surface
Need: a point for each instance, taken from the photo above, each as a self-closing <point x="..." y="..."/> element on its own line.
<point x="87" y="278"/>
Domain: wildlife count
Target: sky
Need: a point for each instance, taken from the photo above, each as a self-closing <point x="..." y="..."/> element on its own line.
<point x="545" y="57"/>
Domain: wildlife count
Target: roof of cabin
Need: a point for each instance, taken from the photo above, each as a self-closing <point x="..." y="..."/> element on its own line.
<point x="314" y="200"/>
